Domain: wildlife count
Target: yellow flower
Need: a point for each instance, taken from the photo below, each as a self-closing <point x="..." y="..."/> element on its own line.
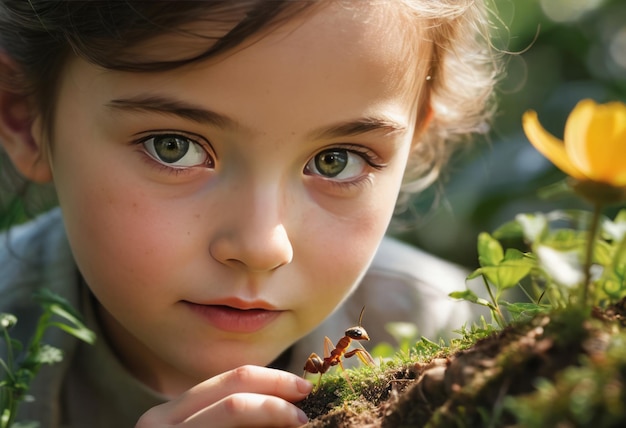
<point x="594" y="144"/>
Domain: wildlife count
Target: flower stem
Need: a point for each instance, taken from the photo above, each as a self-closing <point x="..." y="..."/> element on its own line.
<point x="495" y="309"/>
<point x="593" y="232"/>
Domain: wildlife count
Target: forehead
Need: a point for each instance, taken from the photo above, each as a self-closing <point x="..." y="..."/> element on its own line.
<point x="353" y="27"/>
<point x="337" y="60"/>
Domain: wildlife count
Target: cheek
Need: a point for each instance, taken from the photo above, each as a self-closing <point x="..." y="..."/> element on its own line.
<point x="122" y="239"/>
<point x="339" y="243"/>
<point x="334" y="254"/>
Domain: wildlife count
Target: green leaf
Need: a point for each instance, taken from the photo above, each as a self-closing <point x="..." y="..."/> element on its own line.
<point x="57" y="304"/>
<point x="490" y="251"/>
<point x="478" y="272"/>
<point x="5" y="417"/>
<point x="426" y="348"/>
<point x="514" y="254"/>
<point x="566" y="240"/>
<point x="469" y="296"/>
<point x="509" y="230"/>
<point x="620" y="217"/>
<point x="603" y="253"/>
<point x="510" y="271"/>
<point x="613" y="288"/>
<point x="525" y="309"/>
<point x="81" y="332"/>
<point x="620" y="270"/>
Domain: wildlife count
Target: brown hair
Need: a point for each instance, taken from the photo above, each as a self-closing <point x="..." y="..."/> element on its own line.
<point x="464" y="69"/>
<point x="39" y="35"/>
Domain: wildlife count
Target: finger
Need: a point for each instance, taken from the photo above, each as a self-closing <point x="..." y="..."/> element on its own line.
<point x="248" y="410"/>
<point x="251" y="379"/>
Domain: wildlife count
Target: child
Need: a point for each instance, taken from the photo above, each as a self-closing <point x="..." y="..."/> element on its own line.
<point x="225" y="173"/>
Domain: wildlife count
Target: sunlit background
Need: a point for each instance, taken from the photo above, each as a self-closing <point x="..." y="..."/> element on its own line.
<point x="562" y="51"/>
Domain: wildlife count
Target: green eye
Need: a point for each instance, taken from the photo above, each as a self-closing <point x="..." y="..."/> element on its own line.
<point x="338" y="164"/>
<point x="170" y="149"/>
<point x="177" y="151"/>
<point x="331" y="163"/>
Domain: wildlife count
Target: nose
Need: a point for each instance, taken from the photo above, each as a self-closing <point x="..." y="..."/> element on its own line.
<point x="254" y="236"/>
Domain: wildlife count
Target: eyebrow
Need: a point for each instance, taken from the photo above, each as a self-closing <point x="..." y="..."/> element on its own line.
<point x="359" y="126"/>
<point x="164" y="105"/>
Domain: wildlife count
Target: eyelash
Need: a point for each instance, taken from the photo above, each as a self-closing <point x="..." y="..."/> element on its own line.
<point x="368" y="156"/>
<point x="371" y="159"/>
<point x="191" y="137"/>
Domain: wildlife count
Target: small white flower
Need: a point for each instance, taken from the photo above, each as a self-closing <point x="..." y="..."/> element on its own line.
<point x="7" y="321"/>
<point x="616" y="230"/>
<point x="564" y="267"/>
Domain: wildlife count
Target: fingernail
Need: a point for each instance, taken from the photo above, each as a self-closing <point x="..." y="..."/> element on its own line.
<point x="302" y="417"/>
<point x="304" y="386"/>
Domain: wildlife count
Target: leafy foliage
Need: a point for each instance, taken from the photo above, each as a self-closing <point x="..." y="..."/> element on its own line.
<point x="556" y="271"/>
<point x="18" y="373"/>
<point x="590" y="394"/>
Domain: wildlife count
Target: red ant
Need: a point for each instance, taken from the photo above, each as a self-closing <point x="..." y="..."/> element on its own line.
<point x="315" y="364"/>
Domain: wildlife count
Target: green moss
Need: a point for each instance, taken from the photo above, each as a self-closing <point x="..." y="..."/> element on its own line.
<point x="589" y="395"/>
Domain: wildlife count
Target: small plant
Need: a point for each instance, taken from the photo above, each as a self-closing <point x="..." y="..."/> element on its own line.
<point x="577" y="258"/>
<point x="19" y="372"/>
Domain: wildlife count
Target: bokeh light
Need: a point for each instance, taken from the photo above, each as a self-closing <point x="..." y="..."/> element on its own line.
<point x="568" y="10"/>
<point x="617" y="48"/>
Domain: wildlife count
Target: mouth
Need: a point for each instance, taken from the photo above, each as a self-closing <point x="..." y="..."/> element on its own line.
<point x="243" y="319"/>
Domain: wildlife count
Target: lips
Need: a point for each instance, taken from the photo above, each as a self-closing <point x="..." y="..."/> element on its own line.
<point x="244" y="318"/>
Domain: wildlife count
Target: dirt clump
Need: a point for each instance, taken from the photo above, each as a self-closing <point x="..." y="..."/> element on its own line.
<point x="470" y="388"/>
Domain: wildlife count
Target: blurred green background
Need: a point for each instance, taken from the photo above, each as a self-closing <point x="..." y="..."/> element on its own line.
<point x="562" y="51"/>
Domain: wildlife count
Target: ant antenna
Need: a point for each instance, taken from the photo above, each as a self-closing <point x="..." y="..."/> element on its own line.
<point x="361" y="316"/>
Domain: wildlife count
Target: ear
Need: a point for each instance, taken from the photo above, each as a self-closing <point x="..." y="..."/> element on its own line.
<point x="20" y="130"/>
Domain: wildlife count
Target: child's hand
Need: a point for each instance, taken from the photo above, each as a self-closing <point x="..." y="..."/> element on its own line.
<point x="247" y="396"/>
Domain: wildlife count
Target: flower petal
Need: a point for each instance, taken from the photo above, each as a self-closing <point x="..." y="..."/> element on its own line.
<point x="595" y="141"/>
<point x="548" y="145"/>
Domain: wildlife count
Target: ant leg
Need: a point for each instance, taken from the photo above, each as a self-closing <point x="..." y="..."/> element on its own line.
<point x="328" y="345"/>
<point x="363" y="356"/>
<point x="345" y="374"/>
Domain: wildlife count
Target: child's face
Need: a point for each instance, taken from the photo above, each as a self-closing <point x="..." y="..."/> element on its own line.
<point x="220" y="211"/>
